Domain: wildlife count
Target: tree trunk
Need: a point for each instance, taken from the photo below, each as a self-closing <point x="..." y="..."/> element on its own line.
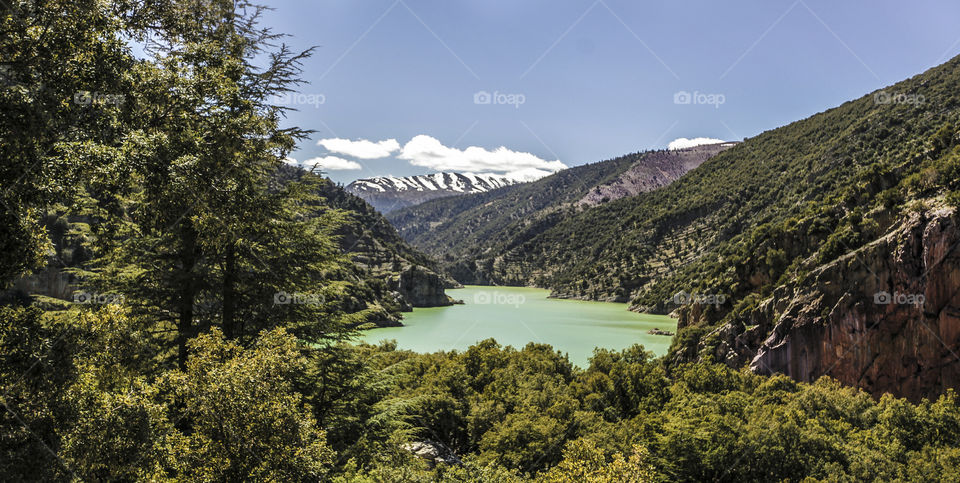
<point x="188" y="289"/>
<point x="229" y="292"/>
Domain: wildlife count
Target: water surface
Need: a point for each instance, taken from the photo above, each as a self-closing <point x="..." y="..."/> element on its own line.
<point x="515" y="316"/>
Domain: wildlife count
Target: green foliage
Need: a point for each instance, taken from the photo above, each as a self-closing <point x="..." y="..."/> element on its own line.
<point x="702" y="423"/>
<point x="58" y="58"/>
<point x="88" y="384"/>
<point x="246" y="420"/>
<point x="584" y="462"/>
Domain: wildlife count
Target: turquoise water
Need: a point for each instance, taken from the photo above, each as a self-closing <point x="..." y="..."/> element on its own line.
<point x="515" y="316"/>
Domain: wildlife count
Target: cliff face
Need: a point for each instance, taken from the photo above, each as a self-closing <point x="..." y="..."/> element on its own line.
<point x="421" y="287"/>
<point x="885" y="318"/>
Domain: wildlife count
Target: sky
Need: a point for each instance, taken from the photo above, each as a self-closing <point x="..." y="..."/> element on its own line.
<point x="527" y="87"/>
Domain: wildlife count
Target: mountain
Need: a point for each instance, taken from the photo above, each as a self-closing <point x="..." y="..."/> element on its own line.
<point x="388" y="193"/>
<point x="456" y="228"/>
<point x="782" y="253"/>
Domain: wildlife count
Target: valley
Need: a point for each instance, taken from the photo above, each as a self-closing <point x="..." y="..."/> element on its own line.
<point x="209" y="271"/>
<point x="808" y="211"/>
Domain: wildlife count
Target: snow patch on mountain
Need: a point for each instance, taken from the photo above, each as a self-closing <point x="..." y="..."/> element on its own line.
<point x="388" y="193"/>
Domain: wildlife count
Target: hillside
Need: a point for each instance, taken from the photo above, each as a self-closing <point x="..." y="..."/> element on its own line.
<point x="179" y="303"/>
<point x="759" y="219"/>
<point x="389" y="193"/>
<point x="390" y="275"/>
<point x="456" y="228"/>
<point x="375" y="246"/>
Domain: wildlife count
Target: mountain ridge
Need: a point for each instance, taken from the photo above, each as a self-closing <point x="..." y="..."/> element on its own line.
<point x="389" y="193"/>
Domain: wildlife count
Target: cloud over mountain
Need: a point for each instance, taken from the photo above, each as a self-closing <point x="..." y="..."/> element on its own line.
<point x="681" y="143"/>
<point x="428" y="152"/>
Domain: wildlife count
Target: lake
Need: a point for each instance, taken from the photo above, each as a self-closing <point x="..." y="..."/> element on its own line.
<point x="515" y="316"/>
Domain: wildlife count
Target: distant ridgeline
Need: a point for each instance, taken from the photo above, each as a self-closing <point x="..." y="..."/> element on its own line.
<point x="388" y="193"/>
<point x="790" y="252"/>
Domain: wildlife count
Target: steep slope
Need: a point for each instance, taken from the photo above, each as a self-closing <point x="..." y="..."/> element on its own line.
<point x="378" y="250"/>
<point x="755" y="222"/>
<point x="388" y="193"/>
<point x="885" y="317"/>
<point x="456" y="228"/>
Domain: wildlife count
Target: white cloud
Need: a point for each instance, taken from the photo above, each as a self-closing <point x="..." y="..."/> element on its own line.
<point x="360" y="148"/>
<point x="528" y="174"/>
<point x="681" y="143"/>
<point x="428" y="152"/>
<point x="291" y="161"/>
<point x="331" y="163"/>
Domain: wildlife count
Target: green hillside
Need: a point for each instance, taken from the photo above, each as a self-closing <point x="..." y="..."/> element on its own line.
<point x="748" y="217"/>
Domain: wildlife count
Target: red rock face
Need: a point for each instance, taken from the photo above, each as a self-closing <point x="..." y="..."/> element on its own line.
<point x="885" y="318"/>
<point x="653" y="171"/>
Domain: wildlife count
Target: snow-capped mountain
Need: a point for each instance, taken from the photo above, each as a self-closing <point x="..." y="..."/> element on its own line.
<point x="388" y="193"/>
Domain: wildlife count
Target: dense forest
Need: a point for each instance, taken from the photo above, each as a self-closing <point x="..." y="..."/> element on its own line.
<point x="208" y="335"/>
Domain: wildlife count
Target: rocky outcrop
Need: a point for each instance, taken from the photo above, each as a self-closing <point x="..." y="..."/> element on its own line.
<point x="421" y="287"/>
<point x="433" y="453"/>
<point x="885" y="318"/>
<point x="652" y="171"/>
<point x="658" y="331"/>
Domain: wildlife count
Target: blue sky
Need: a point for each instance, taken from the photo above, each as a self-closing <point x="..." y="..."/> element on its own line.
<point x="583" y="81"/>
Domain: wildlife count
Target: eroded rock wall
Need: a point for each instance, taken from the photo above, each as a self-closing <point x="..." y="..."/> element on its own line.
<point x="885" y="318"/>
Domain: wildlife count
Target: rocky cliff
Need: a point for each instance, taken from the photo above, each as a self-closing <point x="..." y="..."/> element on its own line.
<point x="653" y="170"/>
<point x="421" y="287"/>
<point x="885" y="318"/>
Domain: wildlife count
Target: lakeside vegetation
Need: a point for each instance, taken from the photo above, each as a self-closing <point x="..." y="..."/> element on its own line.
<point x="92" y="402"/>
